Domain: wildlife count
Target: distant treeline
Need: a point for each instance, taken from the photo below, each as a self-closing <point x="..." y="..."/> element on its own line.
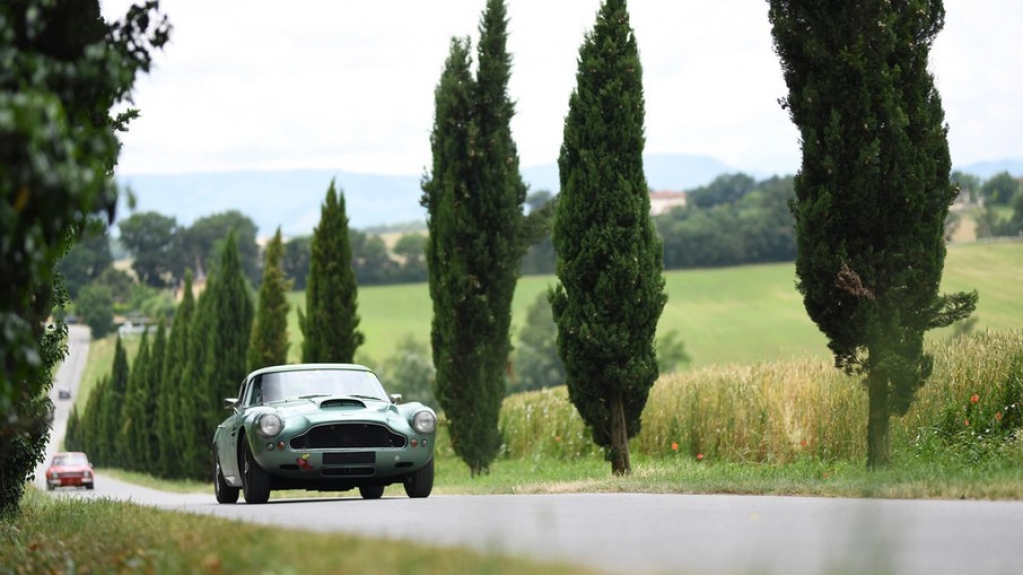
<point x="734" y="220"/>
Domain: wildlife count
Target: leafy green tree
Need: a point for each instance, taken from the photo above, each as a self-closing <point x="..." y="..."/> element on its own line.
<point x="671" y="353"/>
<point x="411" y="248"/>
<point x="269" y="342"/>
<point x="725" y="189"/>
<point x="539" y="257"/>
<point x="475" y="198"/>
<point x="95" y="306"/>
<point x="1000" y="188"/>
<point x="371" y="259"/>
<point x="295" y="261"/>
<point x="409" y="371"/>
<point x="202" y="242"/>
<point x="873" y="190"/>
<point x="330" y="327"/>
<point x="151" y="238"/>
<point x="610" y="291"/>
<point x="537" y="363"/>
<point x="86" y="261"/>
<point x="968" y="184"/>
<point x="63" y="70"/>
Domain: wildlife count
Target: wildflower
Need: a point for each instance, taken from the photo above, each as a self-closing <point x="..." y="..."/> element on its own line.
<point x="966" y="422"/>
<point x="998" y="416"/>
<point x="674" y="446"/>
<point x="699" y="457"/>
<point x="975" y="398"/>
<point x="803" y="442"/>
<point x="557" y="438"/>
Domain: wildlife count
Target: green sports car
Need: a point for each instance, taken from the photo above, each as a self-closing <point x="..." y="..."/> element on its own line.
<point x="321" y="427"/>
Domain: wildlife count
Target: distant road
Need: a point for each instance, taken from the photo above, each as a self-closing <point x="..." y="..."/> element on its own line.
<point x="643" y="534"/>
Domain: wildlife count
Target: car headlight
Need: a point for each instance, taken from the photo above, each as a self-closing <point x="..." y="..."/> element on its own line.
<point x="424" y="421"/>
<point x="269" y="424"/>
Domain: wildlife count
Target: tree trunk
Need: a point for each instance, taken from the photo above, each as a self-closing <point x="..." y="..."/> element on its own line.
<point x="878" y="448"/>
<point x="620" y="463"/>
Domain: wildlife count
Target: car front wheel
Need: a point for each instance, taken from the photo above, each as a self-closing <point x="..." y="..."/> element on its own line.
<point x="255" y="481"/>
<point x="225" y="493"/>
<point x="419" y="483"/>
<point x="371" y="491"/>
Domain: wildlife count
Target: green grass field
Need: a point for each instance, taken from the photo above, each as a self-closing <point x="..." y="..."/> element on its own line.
<point x="735" y="315"/>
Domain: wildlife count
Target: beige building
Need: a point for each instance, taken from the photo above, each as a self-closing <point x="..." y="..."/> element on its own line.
<point x="664" y="201"/>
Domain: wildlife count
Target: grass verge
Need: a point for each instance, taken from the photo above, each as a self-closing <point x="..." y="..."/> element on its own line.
<point x="72" y="535"/>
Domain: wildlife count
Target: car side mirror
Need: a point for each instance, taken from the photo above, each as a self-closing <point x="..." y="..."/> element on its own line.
<point x="230" y="403"/>
<point x="395" y="398"/>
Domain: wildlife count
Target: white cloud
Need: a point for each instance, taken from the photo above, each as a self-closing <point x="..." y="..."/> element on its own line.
<point x="349" y="85"/>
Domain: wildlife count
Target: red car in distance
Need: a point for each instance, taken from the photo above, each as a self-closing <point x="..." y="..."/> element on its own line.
<point x="70" y="469"/>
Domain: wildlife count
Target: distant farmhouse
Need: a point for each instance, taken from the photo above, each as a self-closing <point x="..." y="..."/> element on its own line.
<point x="663" y="202"/>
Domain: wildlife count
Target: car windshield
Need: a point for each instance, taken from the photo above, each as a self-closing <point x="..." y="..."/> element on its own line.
<point x="68" y="459"/>
<point x="280" y="385"/>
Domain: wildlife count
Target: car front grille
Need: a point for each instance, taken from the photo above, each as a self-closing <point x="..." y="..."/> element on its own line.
<point x="348" y="435"/>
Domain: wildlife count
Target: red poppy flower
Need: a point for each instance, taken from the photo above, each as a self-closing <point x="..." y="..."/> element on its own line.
<point x="975" y="398"/>
<point x="674" y="446"/>
<point x="699" y="457"/>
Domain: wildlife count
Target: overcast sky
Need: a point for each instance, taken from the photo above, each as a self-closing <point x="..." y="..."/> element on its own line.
<point x="348" y="85"/>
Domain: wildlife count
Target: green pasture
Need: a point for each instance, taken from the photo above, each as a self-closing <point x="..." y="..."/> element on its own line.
<point x="736" y="315"/>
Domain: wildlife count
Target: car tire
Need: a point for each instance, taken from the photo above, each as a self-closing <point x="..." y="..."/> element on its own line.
<point x="49" y="486"/>
<point x="419" y="483"/>
<point x="371" y="491"/>
<point x="90" y="486"/>
<point x="224" y="492"/>
<point x="255" y="481"/>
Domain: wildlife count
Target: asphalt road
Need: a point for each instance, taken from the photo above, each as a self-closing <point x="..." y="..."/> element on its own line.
<point x="637" y="533"/>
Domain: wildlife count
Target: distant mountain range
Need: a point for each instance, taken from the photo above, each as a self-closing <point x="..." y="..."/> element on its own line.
<point x="291" y="199"/>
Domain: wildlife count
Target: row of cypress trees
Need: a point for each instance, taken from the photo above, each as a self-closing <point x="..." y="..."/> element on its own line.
<point x="871" y="199"/>
<point x="159" y="415"/>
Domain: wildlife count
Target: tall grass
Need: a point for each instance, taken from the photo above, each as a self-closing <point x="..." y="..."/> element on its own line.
<point x="785" y="411"/>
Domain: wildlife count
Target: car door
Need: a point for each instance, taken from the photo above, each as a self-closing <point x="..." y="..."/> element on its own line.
<point x="227" y="432"/>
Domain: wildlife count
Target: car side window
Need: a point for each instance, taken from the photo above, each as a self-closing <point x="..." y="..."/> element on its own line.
<point x="256" y="390"/>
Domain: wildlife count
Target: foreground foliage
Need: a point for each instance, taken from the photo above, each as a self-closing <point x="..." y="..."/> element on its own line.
<point x="64" y="68"/>
<point x="58" y="535"/>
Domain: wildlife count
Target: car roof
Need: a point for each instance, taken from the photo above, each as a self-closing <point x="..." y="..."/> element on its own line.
<point x="309" y="366"/>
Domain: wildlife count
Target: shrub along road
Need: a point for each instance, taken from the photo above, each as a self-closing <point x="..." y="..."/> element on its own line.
<point x="649" y="533"/>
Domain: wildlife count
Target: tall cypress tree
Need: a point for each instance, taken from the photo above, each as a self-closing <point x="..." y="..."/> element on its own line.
<point x="269" y="342"/>
<point x="611" y="287"/>
<point x="170" y="410"/>
<point x="443" y="192"/>
<point x="108" y="417"/>
<point x="330" y="324"/>
<point x="131" y="434"/>
<point x="873" y="190"/>
<point x="477" y="238"/>
<point x="226" y="325"/>
<point x="151" y="439"/>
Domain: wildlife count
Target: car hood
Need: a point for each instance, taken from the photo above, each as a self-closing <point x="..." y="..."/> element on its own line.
<point x="341" y="406"/>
